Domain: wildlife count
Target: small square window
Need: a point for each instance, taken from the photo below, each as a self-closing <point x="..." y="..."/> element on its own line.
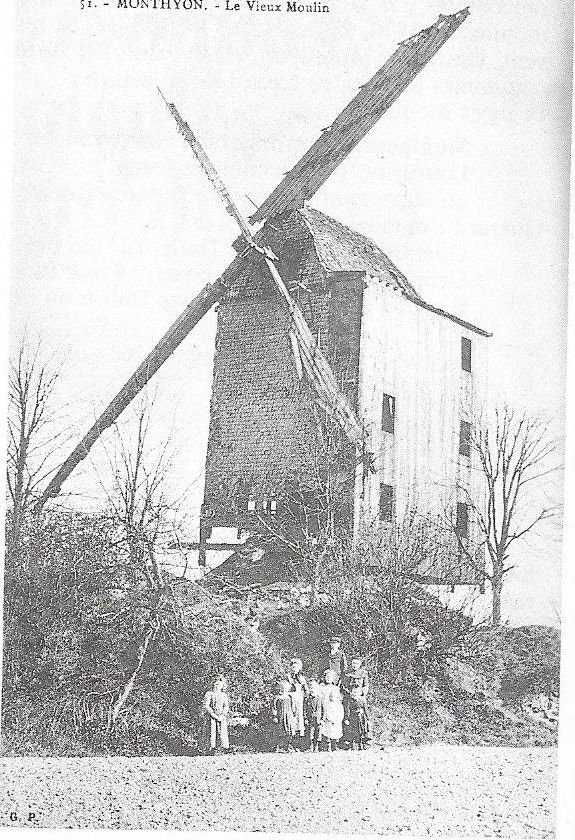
<point x="465" y="438"/>
<point x="386" y="502"/>
<point x="466" y="354"/>
<point x="462" y="523"/>
<point x="388" y="414"/>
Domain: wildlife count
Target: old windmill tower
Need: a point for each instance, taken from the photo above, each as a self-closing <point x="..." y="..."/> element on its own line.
<point x="314" y="317"/>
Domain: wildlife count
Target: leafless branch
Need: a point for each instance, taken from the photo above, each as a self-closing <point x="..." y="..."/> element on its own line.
<point x="512" y="450"/>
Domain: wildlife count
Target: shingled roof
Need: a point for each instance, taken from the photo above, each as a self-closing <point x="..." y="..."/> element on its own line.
<point x="339" y="248"/>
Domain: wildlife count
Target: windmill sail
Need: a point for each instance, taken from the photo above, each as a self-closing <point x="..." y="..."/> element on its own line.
<point x="192" y="314"/>
<point x="316" y="366"/>
<point x="209" y="169"/>
<point x="357" y="118"/>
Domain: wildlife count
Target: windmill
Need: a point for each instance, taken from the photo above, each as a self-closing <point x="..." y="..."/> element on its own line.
<point x="255" y="246"/>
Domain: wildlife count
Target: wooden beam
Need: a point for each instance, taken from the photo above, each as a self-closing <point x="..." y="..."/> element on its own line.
<point x="194" y="312"/>
<point x="358" y="118"/>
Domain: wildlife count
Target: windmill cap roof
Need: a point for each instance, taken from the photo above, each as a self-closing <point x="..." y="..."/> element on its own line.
<point x="339" y="248"/>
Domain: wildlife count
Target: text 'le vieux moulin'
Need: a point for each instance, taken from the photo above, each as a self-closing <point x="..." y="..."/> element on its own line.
<point x="225" y="5"/>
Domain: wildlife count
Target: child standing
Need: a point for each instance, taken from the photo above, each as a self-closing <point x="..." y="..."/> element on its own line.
<point x="356" y="721"/>
<point x="313" y="714"/>
<point x="356" y="678"/>
<point x="299" y="690"/>
<point x="335" y="660"/>
<point x="331" y="730"/>
<point x="355" y="687"/>
<point x="216" y="707"/>
<point x="284" y="717"/>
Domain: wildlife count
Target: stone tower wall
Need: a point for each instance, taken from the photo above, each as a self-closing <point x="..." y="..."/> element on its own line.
<point x="263" y="420"/>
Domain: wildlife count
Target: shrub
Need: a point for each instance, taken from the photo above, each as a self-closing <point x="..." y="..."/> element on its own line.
<point x="76" y="611"/>
<point x="523" y="661"/>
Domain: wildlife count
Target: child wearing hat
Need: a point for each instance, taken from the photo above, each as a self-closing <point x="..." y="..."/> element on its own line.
<point x="336" y="660"/>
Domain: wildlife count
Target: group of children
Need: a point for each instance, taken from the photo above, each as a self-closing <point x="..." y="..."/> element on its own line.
<point x="315" y="714"/>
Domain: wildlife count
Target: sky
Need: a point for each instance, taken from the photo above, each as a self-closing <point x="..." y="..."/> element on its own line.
<point x="463" y="183"/>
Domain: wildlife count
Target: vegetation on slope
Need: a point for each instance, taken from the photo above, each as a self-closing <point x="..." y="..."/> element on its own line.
<point x="78" y="610"/>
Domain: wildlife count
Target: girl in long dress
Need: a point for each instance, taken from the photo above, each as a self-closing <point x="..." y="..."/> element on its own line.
<point x="299" y="689"/>
<point x="284" y="717"/>
<point x="331" y="727"/>
<point x="357" y="720"/>
<point x="355" y="686"/>
<point x="216" y="707"/>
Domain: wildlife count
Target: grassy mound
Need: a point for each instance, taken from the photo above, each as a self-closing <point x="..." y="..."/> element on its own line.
<point x="77" y="611"/>
<point x="496" y="686"/>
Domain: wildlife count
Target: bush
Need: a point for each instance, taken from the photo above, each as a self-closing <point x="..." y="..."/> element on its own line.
<point x="76" y="612"/>
<point x="77" y="609"/>
<point x="519" y="661"/>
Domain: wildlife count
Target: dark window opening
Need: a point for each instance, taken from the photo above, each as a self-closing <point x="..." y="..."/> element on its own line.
<point x="462" y="523"/>
<point x="386" y="502"/>
<point x="388" y="414"/>
<point x="465" y="438"/>
<point x="466" y="354"/>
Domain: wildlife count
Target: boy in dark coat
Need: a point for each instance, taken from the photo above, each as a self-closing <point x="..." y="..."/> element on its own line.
<point x="355" y="685"/>
<point x="336" y="660"/>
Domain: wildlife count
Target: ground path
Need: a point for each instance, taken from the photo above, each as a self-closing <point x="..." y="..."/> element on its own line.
<point x="434" y="789"/>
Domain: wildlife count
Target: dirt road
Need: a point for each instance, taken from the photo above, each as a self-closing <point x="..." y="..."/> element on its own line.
<point x="436" y="789"/>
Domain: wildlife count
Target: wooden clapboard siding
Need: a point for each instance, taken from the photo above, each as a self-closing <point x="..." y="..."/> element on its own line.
<point x="414" y="354"/>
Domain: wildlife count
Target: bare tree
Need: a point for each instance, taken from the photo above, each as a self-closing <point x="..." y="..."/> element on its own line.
<point x="514" y="453"/>
<point x="312" y="522"/>
<point x="34" y="432"/>
<point x="142" y="512"/>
